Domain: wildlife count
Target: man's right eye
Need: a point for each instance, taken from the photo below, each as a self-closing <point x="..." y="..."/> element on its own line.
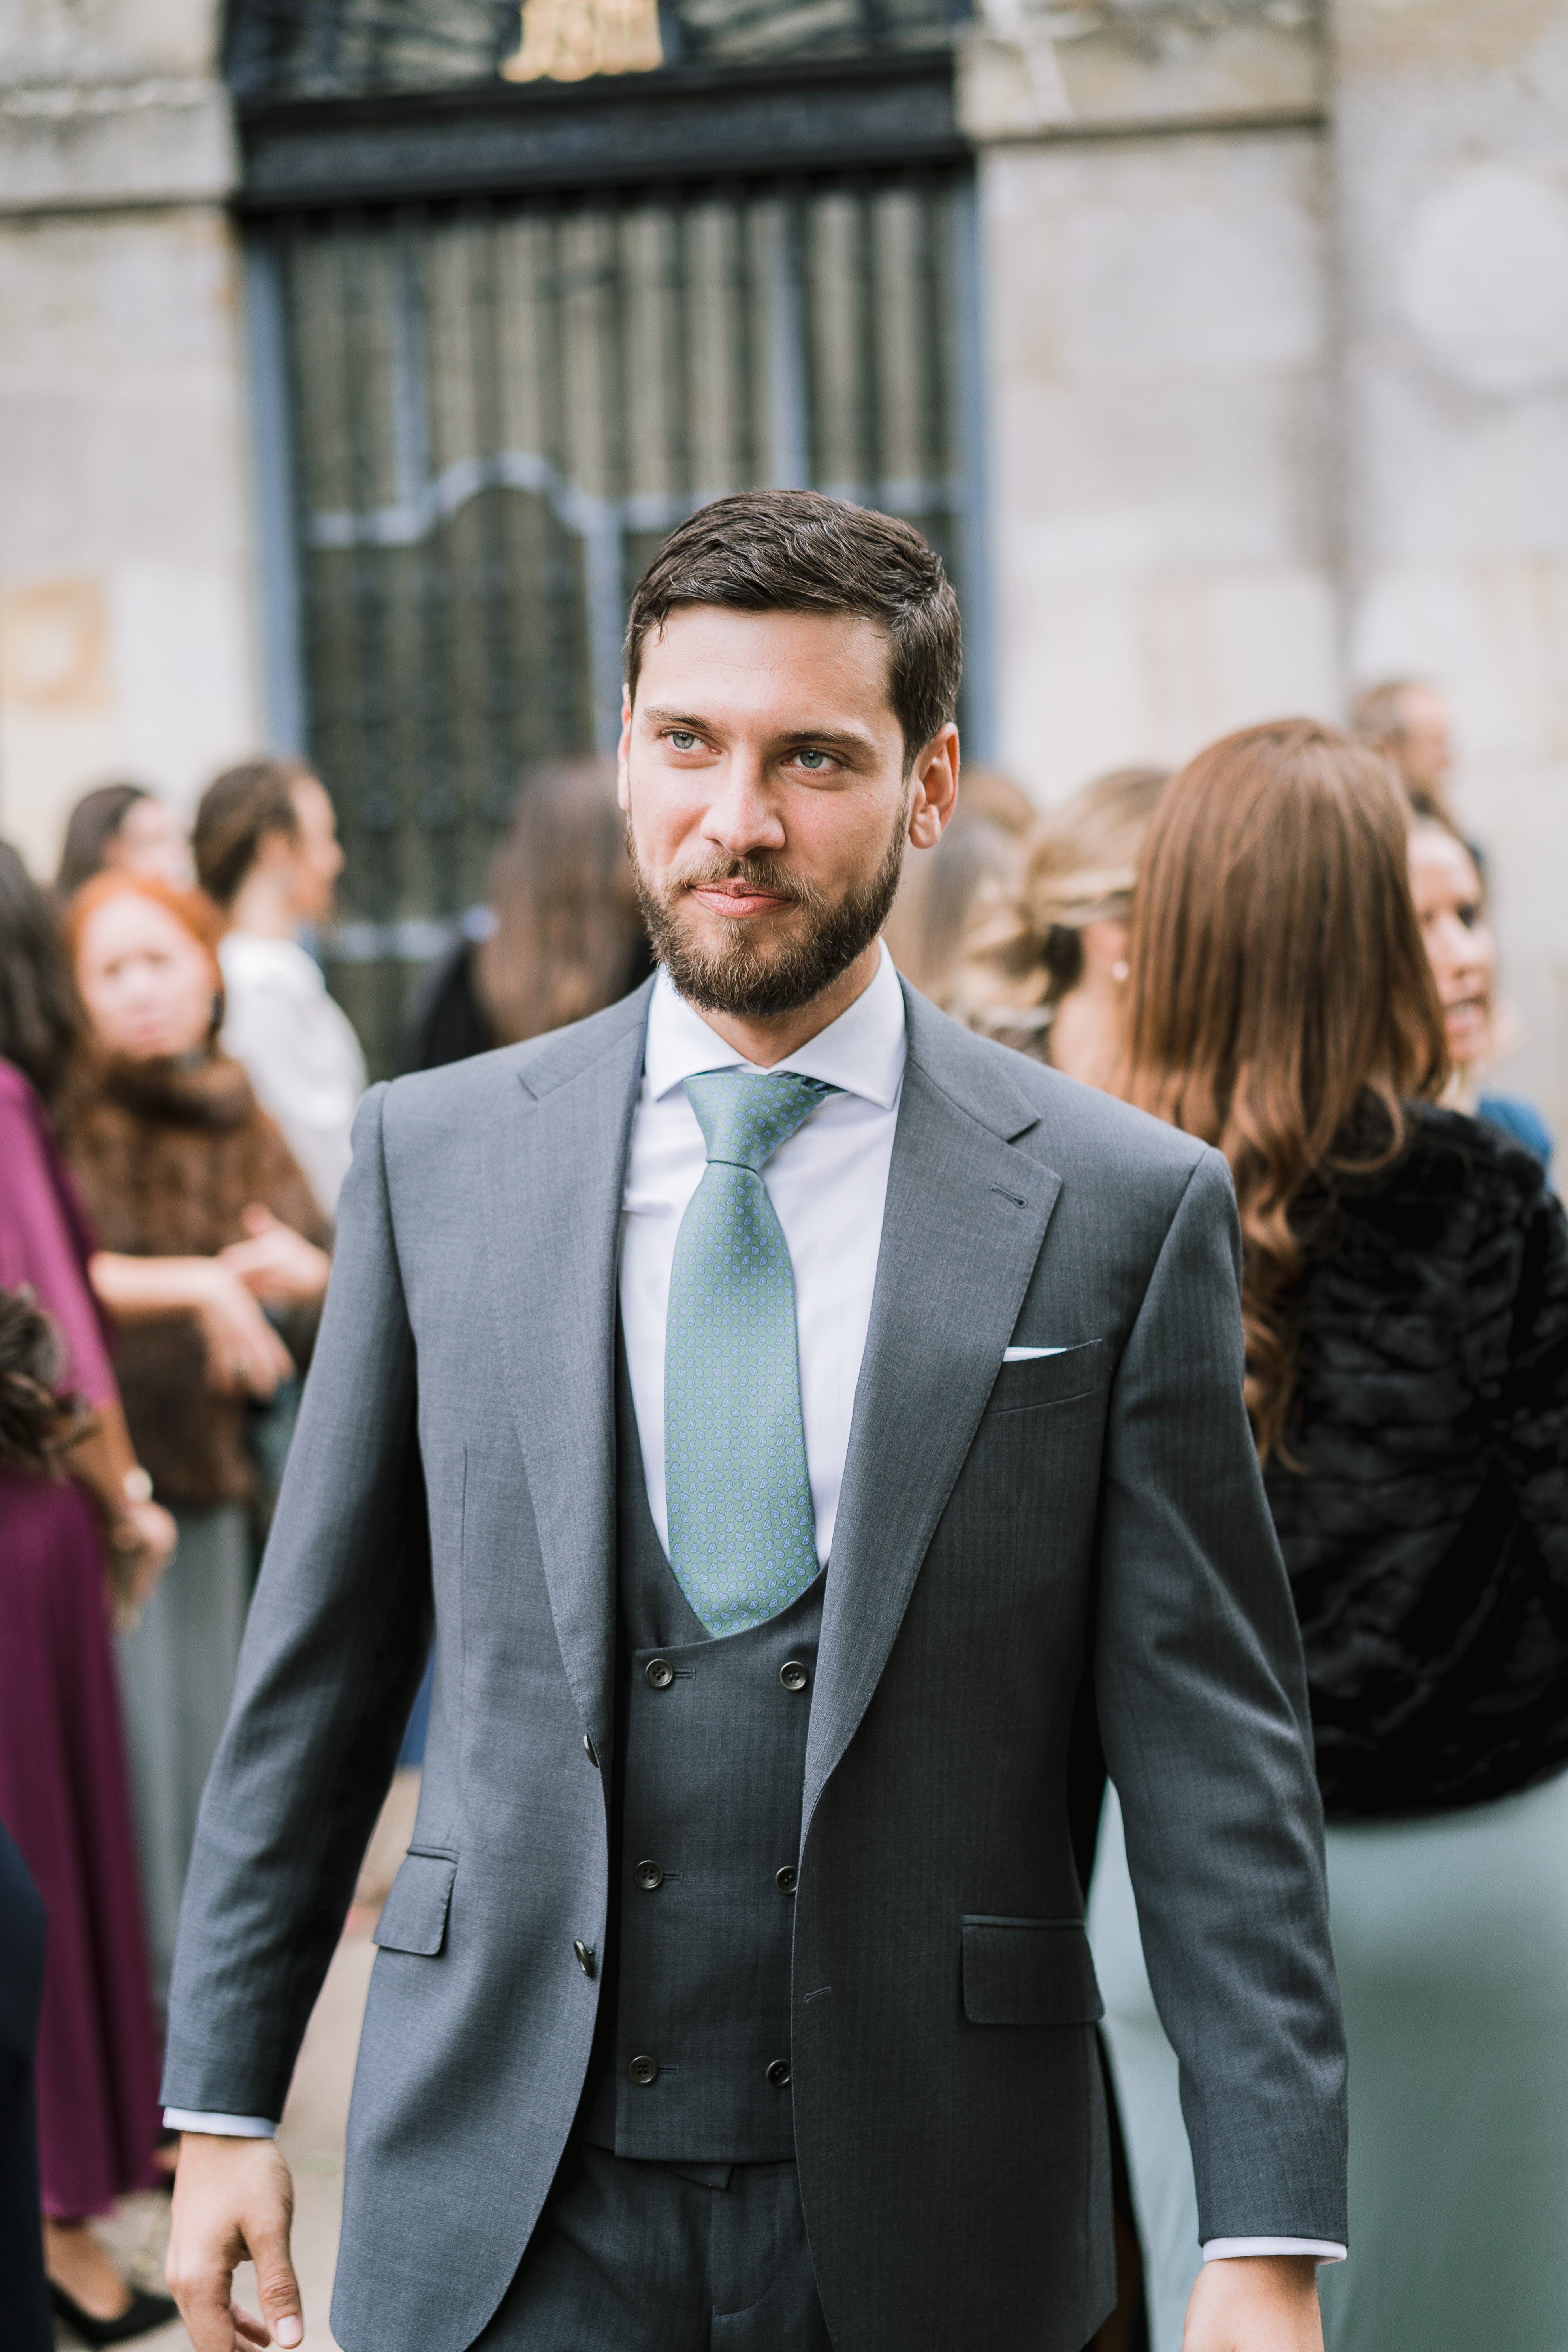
<point x="681" y="739"/>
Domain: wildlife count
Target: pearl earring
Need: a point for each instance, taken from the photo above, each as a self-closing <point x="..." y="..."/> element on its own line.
<point x="1119" y="971"/>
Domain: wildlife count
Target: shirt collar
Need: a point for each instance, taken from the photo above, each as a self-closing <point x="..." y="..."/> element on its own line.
<point x="862" y="1052"/>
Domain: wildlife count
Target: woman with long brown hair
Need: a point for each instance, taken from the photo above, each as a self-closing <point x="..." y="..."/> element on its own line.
<point x="1406" y="1300"/>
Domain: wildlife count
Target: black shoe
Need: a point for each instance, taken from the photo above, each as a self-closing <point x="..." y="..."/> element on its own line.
<point x="141" y="2315"/>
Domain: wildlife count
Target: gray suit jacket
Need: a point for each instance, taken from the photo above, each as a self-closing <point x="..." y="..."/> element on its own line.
<point x="999" y="1525"/>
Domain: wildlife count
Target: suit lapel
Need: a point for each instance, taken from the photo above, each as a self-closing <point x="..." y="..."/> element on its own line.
<point x="964" y="1221"/>
<point x="553" y="1175"/>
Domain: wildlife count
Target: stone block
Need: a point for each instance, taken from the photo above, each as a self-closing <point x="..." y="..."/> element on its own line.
<point x="1027" y="69"/>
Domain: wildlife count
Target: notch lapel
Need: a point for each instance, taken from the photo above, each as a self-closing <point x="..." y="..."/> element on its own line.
<point x="964" y="1221"/>
<point x="554" y="1172"/>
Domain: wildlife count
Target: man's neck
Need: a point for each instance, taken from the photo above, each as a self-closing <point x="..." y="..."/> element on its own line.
<point x="767" y="1041"/>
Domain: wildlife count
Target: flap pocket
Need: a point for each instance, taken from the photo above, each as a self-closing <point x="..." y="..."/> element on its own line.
<point x="413" y="1917"/>
<point x="1049" y="1379"/>
<point x="1028" y="1972"/>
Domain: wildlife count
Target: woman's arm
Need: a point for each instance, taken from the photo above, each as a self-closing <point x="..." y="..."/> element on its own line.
<point x="140" y="1532"/>
<point x="245" y="1355"/>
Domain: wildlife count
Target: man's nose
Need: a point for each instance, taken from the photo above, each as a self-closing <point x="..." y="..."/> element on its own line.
<point x="743" y="813"/>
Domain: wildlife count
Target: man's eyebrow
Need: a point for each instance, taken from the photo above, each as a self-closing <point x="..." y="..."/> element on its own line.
<point x="848" y="739"/>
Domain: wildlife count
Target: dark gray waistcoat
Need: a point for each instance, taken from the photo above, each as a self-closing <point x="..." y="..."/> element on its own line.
<point x="691" y="2062"/>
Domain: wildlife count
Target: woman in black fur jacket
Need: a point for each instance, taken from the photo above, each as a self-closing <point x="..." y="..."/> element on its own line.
<point x="1406" y="1299"/>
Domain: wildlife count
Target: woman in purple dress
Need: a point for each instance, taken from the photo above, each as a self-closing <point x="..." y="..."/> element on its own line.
<point x="63" y="1793"/>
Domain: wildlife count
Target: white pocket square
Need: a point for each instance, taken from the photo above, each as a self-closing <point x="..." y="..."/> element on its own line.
<point x="1027" y="1355"/>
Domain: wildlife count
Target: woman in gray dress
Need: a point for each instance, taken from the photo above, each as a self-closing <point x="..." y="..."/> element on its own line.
<point x="207" y="1226"/>
<point x="1406" y="1300"/>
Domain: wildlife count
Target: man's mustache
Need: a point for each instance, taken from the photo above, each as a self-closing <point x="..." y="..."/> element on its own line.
<point x="755" y="873"/>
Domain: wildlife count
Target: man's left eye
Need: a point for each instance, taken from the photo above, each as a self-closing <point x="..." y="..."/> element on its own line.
<point x="813" y="762"/>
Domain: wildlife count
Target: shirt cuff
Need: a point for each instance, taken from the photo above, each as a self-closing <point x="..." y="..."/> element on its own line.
<point x="221" y="2126"/>
<point x="1230" y="2249"/>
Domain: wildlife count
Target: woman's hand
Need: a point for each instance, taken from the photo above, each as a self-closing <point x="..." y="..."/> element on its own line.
<point x="144" y="1538"/>
<point x="245" y="1355"/>
<point x="279" y="1265"/>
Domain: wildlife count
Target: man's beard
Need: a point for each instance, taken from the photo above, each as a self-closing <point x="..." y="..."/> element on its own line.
<point x="748" y="981"/>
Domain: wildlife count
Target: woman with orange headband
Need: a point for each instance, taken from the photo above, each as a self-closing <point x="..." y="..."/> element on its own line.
<point x="211" y="1242"/>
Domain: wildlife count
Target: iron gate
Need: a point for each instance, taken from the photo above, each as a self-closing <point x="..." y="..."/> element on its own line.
<point x="498" y="406"/>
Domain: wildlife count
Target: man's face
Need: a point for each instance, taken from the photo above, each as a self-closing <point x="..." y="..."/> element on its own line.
<point x="761" y="770"/>
<point x="1426" y="742"/>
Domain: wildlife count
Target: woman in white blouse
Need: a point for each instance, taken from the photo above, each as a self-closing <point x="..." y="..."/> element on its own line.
<point x="267" y="849"/>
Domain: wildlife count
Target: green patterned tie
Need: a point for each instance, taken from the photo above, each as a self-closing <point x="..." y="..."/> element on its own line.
<point x="743" y="1535"/>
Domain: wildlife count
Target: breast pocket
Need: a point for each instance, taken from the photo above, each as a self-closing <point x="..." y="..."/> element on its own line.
<point x="1050" y="1380"/>
<point x="1028" y="1972"/>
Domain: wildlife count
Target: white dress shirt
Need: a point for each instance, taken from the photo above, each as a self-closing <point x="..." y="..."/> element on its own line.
<point x="297" y="1046"/>
<point x="829" y="1185"/>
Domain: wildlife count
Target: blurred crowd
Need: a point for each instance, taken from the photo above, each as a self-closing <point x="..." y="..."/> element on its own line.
<point x="1286" y="949"/>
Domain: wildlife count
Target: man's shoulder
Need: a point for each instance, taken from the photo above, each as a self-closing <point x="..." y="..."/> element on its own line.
<point x="1074" y="1128"/>
<point x="460" y="1093"/>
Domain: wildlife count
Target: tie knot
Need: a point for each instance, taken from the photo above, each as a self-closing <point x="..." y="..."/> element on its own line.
<point x="746" y="1115"/>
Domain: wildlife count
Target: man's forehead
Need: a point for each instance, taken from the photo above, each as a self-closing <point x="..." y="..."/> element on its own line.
<point x="765" y="667"/>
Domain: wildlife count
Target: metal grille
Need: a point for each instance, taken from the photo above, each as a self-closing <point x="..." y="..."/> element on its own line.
<point x="280" y="50"/>
<point x="500" y="408"/>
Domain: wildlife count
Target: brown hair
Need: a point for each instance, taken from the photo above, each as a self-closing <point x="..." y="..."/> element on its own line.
<point x="191" y="909"/>
<point x="1281" y="1004"/>
<point x="1079" y="865"/>
<point x="799" y="552"/>
<point x="94" y="822"/>
<point x="37" y="1425"/>
<point x="43" y="1027"/>
<point x="237" y="810"/>
<point x="568" y="940"/>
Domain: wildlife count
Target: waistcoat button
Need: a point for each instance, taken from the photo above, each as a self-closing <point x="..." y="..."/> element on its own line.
<point x="584" y="1955"/>
<point x="646" y="2071"/>
<point x="786" y="1880"/>
<point x="778" y="2073"/>
<point x="793" y="1675"/>
<point x="590" y="1751"/>
<point x="649" y="1875"/>
<point x="658" y="1673"/>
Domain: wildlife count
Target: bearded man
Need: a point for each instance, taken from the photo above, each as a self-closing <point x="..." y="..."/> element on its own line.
<point x="780" y="1400"/>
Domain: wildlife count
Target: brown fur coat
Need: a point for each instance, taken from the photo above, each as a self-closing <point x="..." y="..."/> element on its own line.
<point x="167" y="1155"/>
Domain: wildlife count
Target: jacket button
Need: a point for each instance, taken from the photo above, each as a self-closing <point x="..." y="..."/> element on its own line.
<point x="791" y="1673"/>
<point x="590" y="1751"/>
<point x="584" y="1955"/>
<point x="778" y="2073"/>
<point x="658" y="1673"/>
<point x="649" y="1875"/>
<point x="646" y="2071"/>
<point x="787" y="1879"/>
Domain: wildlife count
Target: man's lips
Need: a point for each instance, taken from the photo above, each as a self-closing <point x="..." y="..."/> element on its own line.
<point x="738" y="900"/>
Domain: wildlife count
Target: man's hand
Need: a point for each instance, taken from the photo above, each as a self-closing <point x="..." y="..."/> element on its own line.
<point x="1253" y="2303"/>
<point x="234" y="2202"/>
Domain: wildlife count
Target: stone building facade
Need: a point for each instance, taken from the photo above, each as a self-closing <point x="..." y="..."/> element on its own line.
<point x="1271" y="308"/>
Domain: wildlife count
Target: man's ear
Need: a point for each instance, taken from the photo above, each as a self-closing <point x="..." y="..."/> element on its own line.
<point x="623" y="754"/>
<point x="934" y="789"/>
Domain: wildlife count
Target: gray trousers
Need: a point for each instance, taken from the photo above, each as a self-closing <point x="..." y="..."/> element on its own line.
<point x="642" y="2257"/>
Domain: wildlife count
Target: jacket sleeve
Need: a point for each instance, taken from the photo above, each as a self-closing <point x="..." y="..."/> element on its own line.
<point x="332" y="1656"/>
<point x="1202" y="1707"/>
<point x="1529" y="1416"/>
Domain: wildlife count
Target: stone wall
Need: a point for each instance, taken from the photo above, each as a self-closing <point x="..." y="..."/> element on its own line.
<point x="126" y="570"/>
<point x="1451" y="165"/>
<point x="1276" y="351"/>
